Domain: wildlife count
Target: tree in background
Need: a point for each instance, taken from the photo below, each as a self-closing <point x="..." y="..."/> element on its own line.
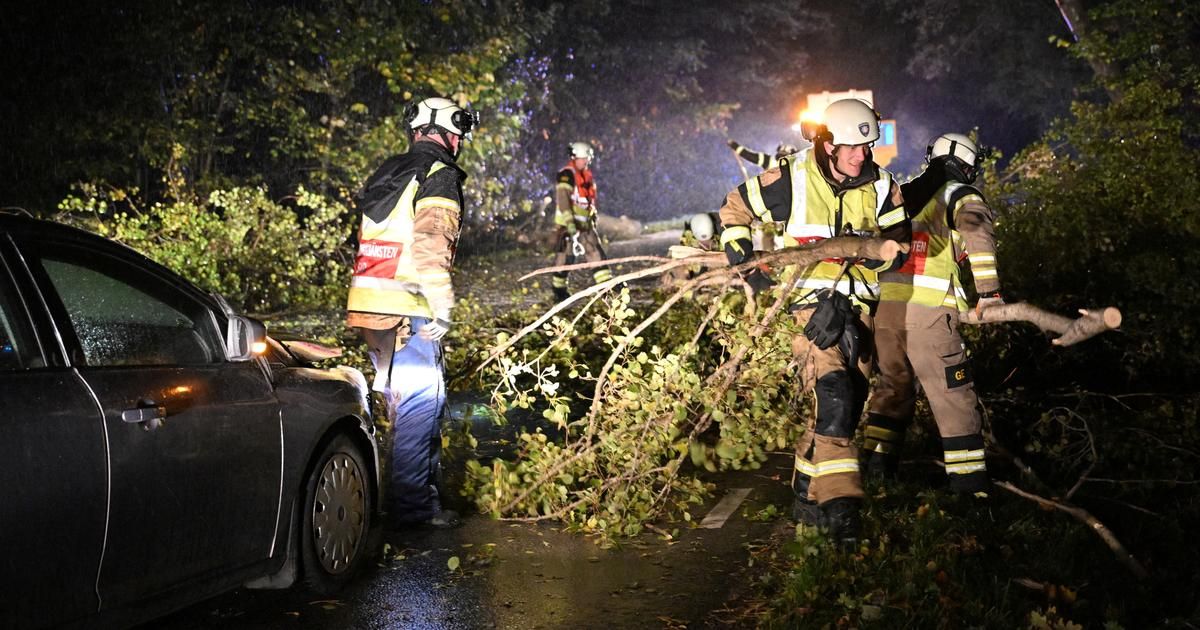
<point x="1103" y="208"/>
<point x="181" y="115"/>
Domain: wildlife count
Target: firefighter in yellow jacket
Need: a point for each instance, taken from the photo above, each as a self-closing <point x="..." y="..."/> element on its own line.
<point x="833" y="189"/>
<point x="401" y="296"/>
<point x="575" y="218"/>
<point x="916" y="328"/>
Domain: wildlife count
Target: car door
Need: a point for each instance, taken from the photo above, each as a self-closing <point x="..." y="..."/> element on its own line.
<point x="195" y="441"/>
<point x="53" y="481"/>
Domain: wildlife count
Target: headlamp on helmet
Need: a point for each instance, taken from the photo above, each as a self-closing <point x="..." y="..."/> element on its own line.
<point x="440" y="114"/>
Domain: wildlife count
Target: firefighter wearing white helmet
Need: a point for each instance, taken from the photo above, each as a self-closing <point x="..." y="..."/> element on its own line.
<point x="916" y="332"/>
<point x="700" y="232"/>
<point x="702" y="228"/>
<point x="575" y="217"/>
<point x="401" y="297"/>
<point x="582" y="151"/>
<point x="832" y="189"/>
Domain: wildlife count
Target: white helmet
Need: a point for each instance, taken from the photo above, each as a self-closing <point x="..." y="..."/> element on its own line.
<point x="702" y="226"/>
<point x="953" y="144"/>
<point x="851" y="121"/>
<point x="959" y="154"/>
<point x="442" y="114"/>
<point x="581" y="150"/>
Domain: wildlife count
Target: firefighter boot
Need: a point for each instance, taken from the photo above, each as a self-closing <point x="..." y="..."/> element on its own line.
<point x="843" y="520"/>
<point x="561" y="293"/>
<point x="881" y="467"/>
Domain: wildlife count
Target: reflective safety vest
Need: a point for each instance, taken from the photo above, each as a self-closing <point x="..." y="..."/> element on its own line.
<point x="817" y="213"/>
<point x="385" y="279"/>
<point x="930" y="274"/>
<point x="583" y="197"/>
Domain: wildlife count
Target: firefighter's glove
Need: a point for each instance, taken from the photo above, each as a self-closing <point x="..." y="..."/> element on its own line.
<point x="987" y="301"/>
<point x="733" y="145"/>
<point x="435" y="329"/>
<point x="828" y="322"/>
<point x="576" y="246"/>
<point x="758" y="280"/>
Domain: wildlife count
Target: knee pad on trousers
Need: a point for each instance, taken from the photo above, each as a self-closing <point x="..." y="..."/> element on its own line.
<point x="835" y="405"/>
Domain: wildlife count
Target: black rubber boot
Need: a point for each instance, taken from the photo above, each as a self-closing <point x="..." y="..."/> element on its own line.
<point x="881" y="466"/>
<point x="843" y="520"/>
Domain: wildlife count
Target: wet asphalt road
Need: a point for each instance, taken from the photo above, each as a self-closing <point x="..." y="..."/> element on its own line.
<point x="521" y="575"/>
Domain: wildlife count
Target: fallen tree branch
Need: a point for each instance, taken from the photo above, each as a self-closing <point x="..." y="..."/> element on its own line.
<point x="1092" y="522"/>
<point x="1071" y="331"/>
<point x="839" y="247"/>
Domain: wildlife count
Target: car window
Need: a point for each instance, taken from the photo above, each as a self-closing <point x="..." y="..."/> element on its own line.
<point x="121" y="317"/>
<point x="17" y="348"/>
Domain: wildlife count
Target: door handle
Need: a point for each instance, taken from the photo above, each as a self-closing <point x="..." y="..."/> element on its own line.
<point x="150" y="417"/>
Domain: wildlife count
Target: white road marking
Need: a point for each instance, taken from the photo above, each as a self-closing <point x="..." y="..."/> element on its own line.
<point x="724" y="508"/>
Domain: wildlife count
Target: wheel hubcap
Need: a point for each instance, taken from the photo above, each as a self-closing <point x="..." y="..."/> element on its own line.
<point x="339" y="513"/>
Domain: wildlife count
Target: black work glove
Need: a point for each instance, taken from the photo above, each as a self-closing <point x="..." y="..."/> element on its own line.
<point x="851" y="343"/>
<point x="828" y="321"/>
<point x="758" y="281"/>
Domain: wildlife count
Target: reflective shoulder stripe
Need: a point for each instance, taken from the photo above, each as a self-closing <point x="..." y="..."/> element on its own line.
<point x="888" y="219"/>
<point x="754" y="196"/>
<point x="440" y="202"/>
<point x="883" y="190"/>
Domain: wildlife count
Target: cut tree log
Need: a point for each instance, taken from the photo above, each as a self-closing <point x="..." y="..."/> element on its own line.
<point x="1071" y="331"/>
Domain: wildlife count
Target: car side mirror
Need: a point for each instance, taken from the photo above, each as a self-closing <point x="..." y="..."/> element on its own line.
<point x="245" y="338"/>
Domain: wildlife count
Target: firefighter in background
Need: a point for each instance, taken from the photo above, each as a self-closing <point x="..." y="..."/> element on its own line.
<point x="762" y="160"/>
<point x="575" y="198"/>
<point x="832" y="189"/>
<point x="401" y="296"/>
<point x="700" y="231"/>
<point x="916" y="327"/>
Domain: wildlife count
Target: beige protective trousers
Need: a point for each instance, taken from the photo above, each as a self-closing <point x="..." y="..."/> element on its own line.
<point x="923" y="347"/>
<point x="826" y="464"/>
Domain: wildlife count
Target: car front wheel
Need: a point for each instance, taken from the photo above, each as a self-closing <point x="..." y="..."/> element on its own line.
<point x="336" y="517"/>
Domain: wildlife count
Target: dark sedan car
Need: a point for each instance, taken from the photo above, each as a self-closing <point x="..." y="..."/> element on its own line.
<point x="149" y="458"/>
